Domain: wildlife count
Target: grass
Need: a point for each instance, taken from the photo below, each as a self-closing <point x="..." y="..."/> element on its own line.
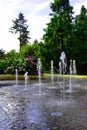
<point x="20" y="77"/>
<point x="12" y="77"/>
<point x="67" y="76"/>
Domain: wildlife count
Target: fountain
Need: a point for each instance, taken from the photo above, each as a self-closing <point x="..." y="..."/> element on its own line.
<point x="26" y="79"/>
<point x="16" y="76"/>
<point x="62" y="70"/>
<point x="74" y="67"/>
<point x="25" y="110"/>
<point x="63" y="62"/>
<point x="52" y="76"/>
<point x="39" y="67"/>
<point x="72" y="70"/>
<point x="70" y="80"/>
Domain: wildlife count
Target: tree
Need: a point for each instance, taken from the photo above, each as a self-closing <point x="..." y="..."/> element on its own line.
<point x="3" y="63"/>
<point x="26" y="51"/>
<point x="62" y="15"/>
<point x="80" y="40"/>
<point x="30" y="50"/>
<point x="2" y="53"/>
<point x="20" y="26"/>
<point x="57" y="37"/>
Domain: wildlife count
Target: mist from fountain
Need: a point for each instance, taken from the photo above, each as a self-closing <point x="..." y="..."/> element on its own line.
<point x="63" y="62"/>
<point x="72" y="70"/>
<point x="74" y="67"/>
<point x="70" y="80"/>
<point x="62" y="70"/>
<point x="26" y="79"/>
<point x="52" y="73"/>
<point x="16" y="75"/>
<point x="39" y="68"/>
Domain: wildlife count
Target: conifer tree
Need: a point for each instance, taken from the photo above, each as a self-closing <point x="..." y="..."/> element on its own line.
<point x="20" y="26"/>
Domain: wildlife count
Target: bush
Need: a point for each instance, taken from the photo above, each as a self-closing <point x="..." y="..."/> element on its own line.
<point x="23" y="65"/>
<point x="3" y="66"/>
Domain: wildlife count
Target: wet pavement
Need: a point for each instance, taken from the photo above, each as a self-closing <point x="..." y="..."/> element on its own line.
<point x="43" y="106"/>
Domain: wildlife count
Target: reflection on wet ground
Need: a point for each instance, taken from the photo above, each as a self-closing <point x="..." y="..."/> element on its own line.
<point x="24" y="108"/>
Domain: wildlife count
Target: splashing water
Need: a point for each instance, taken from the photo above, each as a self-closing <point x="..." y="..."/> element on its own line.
<point x="39" y="67"/>
<point x="16" y="76"/>
<point x="26" y="78"/>
<point x="52" y="76"/>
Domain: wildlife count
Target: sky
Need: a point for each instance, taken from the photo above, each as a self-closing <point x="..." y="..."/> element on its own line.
<point x="36" y="13"/>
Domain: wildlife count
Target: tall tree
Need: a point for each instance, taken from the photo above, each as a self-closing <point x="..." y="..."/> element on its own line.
<point x="80" y="40"/>
<point x="20" y="26"/>
<point x="57" y="35"/>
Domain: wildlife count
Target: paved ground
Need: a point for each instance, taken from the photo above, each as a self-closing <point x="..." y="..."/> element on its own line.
<point x="43" y="107"/>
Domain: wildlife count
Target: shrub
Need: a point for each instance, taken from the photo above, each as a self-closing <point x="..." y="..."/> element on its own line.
<point x="29" y="64"/>
<point x="3" y="66"/>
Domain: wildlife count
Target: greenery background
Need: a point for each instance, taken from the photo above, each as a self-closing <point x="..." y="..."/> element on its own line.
<point x="64" y="32"/>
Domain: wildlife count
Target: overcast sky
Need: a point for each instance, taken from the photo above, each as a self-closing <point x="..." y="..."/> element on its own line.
<point x="35" y="11"/>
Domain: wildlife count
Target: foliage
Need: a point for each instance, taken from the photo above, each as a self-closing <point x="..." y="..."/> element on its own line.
<point x="64" y="32"/>
<point x="57" y="35"/>
<point x="23" y="65"/>
<point x="36" y="47"/>
<point x="2" y="52"/>
<point x="3" y="63"/>
<point x="25" y="60"/>
<point x="3" y="66"/>
<point x="7" y="60"/>
<point x="19" y="25"/>
<point x="30" y="50"/>
<point x="14" y="60"/>
<point x="80" y="40"/>
<point x="26" y="50"/>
